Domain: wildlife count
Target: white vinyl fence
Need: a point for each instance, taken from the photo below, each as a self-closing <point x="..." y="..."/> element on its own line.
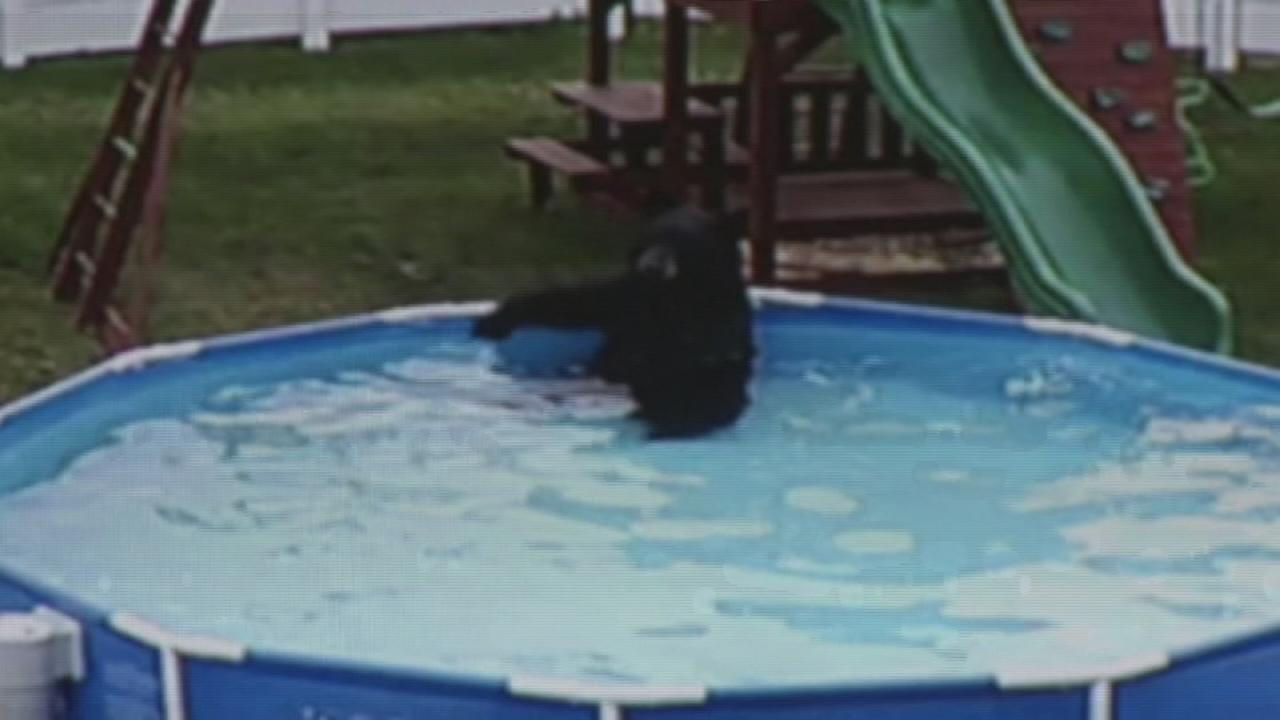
<point x="43" y="28"/>
<point x="1226" y="29"/>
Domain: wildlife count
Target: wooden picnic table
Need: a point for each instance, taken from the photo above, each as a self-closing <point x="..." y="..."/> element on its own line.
<point x="732" y="145"/>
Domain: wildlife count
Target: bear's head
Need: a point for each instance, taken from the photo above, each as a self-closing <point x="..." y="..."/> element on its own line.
<point x="689" y="251"/>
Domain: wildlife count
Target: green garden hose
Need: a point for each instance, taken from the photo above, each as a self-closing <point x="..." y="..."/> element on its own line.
<point x="1264" y="111"/>
<point x="1191" y="93"/>
<point x="1194" y="91"/>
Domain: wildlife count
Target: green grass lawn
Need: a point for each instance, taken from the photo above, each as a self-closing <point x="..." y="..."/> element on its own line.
<point x="315" y="185"/>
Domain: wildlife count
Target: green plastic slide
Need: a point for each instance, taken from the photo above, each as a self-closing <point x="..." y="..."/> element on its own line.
<point x="1075" y="224"/>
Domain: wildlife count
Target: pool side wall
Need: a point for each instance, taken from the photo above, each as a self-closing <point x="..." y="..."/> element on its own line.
<point x="122" y="676"/>
<point x="124" y="682"/>
<point x="1236" y="678"/>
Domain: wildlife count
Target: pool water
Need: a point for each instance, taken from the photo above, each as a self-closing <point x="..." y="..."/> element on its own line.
<point x="897" y="503"/>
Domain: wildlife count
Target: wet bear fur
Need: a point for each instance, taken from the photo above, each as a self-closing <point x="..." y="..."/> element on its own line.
<point x="677" y="324"/>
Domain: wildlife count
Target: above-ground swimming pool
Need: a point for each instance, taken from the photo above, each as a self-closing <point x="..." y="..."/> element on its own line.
<point x="923" y="515"/>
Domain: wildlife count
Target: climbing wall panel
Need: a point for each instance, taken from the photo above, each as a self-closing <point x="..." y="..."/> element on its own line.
<point x="1113" y="59"/>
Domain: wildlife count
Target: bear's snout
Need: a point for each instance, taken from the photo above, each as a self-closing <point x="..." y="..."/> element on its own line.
<point x="657" y="263"/>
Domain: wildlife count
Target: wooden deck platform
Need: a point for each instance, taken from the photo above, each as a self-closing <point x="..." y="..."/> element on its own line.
<point x="850" y="203"/>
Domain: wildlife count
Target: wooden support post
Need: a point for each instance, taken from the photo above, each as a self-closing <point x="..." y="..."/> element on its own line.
<point x="762" y="180"/>
<point x="599" y="54"/>
<point x="635" y="148"/>
<point x="675" y="148"/>
<point x="540" y="187"/>
<point x="891" y="137"/>
<point x="599" y="68"/>
<point x="854" y="135"/>
<point x="819" y="130"/>
<point x="150" y="232"/>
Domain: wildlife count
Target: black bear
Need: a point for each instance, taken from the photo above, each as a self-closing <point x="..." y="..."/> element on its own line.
<point x="677" y="324"/>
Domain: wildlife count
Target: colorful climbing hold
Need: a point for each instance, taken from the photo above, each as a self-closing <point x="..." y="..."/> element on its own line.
<point x="1137" y="52"/>
<point x="1108" y="98"/>
<point x="1058" y="31"/>
<point x="1142" y="120"/>
<point x="1158" y="189"/>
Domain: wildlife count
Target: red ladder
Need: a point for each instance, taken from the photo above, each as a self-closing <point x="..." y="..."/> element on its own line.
<point x="120" y="201"/>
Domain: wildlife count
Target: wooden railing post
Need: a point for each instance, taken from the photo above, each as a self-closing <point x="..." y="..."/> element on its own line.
<point x="764" y="129"/>
<point x="675" y="149"/>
